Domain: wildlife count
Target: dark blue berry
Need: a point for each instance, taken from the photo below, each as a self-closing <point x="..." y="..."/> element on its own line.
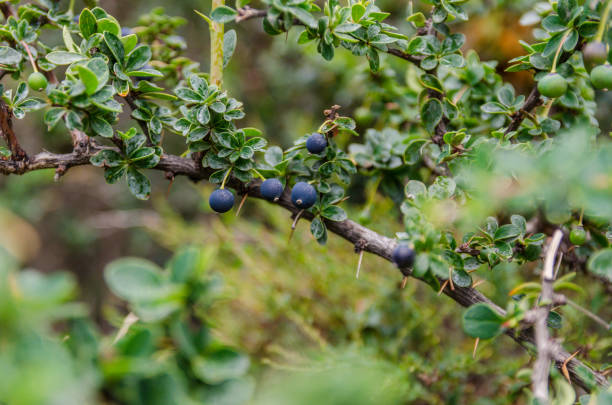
<point x="125" y="31"/>
<point x="221" y="200"/>
<point x="271" y="189"/>
<point x="303" y="195"/>
<point x="403" y="256"/>
<point x="316" y="143"/>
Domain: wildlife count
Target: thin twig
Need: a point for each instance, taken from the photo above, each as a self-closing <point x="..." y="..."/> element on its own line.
<point x="541" y="368"/>
<point x="588" y="313"/>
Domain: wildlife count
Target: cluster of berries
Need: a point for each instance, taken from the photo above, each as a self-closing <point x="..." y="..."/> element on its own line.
<point x="303" y="195"/>
<point x="554" y="85"/>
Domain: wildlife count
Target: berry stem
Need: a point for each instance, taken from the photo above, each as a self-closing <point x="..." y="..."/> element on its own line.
<point x="27" y="48"/>
<point x="71" y="7"/>
<point x="320" y="130"/>
<point x="556" y="59"/>
<point x="547" y="108"/>
<point x="225" y="178"/>
<point x="603" y="22"/>
<point x="581" y="216"/>
<point x="258" y="174"/>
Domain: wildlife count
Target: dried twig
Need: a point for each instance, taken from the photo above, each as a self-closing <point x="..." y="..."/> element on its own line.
<point x="541" y="368"/>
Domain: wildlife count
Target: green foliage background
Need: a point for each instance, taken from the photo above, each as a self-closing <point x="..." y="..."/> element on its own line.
<point x="311" y="329"/>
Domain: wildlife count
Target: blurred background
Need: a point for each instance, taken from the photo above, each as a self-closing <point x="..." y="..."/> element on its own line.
<point x="290" y="306"/>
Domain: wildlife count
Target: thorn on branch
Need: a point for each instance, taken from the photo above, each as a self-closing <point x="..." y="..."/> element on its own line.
<point x="294" y="224"/>
<point x="564" y="366"/>
<point x="244" y="197"/>
<point x="360" y="249"/>
<point x="170" y="177"/>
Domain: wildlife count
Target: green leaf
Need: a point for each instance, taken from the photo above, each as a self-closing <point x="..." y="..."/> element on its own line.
<point x="109" y="26"/>
<point x="64" y="58"/>
<point x="89" y="79"/>
<point x="53" y="116"/>
<point x="431" y="82"/>
<point x="189" y="262"/>
<point x="107" y="158"/>
<point x="68" y="41"/>
<point x="141" y="154"/>
<point x="357" y="11"/>
<point x="229" y="45"/>
<point x="520" y="222"/>
<point x="414" y="188"/>
<point x="73" y="121"/>
<point x="274" y="155"/>
<point x="21" y="93"/>
<point x="347" y="28"/>
<point x="318" y="230"/>
<point x="221" y="365"/>
<point x="9" y="56"/>
<point x="507" y="232"/>
<point x="304" y="16"/>
<point x="138" y="58"/>
<point x="431" y="114"/>
<point x="412" y="154"/>
<point x="101" y="127"/>
<point x="555" y="320"/>
<point x="129" y="42"/>
<point x="494" y="107"/>
<point x="87" y="23"/>
<point x="553" y="23"/>
<point x="334" y="213"/>
<point x="139" y="184"/>
<point x="600" y="264"/>
<point x="115" y="46"/>
<point x="418" y="19"/>
<point x="188" y="95"/>
<point x="461" y="278"/>
<point x="100" y="69"/>
<point x="223" y="14"/>
<point x="251" y="132"/>
<point x="481" y="321"/>
<point x="135" y="280"/>
<point x="113" y="174"/>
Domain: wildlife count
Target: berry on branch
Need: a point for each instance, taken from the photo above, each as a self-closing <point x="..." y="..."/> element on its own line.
<point x="403" y="257"/>
<point x="303" y="195"/>
<point x="601" y="76"/>
<point x="271" y="189"/>
<point x="221" y="200"/>
<point x="316" y="143"/>
<point x="552" y="85"/>
<point x="37" y="81"/>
